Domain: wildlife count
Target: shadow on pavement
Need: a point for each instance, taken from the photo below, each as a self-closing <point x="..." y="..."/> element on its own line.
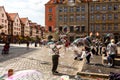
<point x="96" y="67"/>
<point x="14" y="52"/>
<point x="61" y="74"/>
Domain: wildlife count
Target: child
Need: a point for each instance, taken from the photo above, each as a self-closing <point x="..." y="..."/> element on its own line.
<point x="79" y="56"/>
<point x="104" y="51"/>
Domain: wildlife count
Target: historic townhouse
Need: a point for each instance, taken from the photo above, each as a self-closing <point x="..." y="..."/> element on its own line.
<point x="38" y="31"/>
<point x="33" y="29"/>
<point x="16" y="26"/>
<point x="104" y="18"/>
<point x="79" y="18"/>
<point x="13" y="28"/>
<point x="25" y="28"/>
<point x="3" y="21"/>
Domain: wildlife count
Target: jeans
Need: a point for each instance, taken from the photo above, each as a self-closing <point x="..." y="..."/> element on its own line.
<point x="88" y="58"/>
<point x="55" y="59"/>
<point x="111" y="60"/>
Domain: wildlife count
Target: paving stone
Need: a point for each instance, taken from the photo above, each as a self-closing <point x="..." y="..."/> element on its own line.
<point x="38" y="58"/>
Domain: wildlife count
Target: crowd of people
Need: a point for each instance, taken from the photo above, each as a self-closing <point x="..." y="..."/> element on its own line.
<point x="90" y="47"/>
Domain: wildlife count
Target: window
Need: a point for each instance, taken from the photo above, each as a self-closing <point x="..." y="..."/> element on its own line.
<point x="71" y="18"/>
<point x="60" y="9"/>
<point x="77" y="9"/>
<point x="104" y="17"/>
<point x="65" y="9"/>
<point x="103" y="7"/>
<point x="71" y="28"/>
<point x="115" y="16"/>
<point x="2" y="20"/>
<point x="98" y="16"/>
<point x="50" y="9"/>
<point x="50" y="29"/>
<point x="82" y="17"/>
<point x="109" y="16"/>
<point x="50" y="17"/>
<point x="110" y="7"/>
<point x="97" y="7"/>
<point x="83" y="28"/>
<point x="116" y="7"/>
<point x="65" y="18"/>
<point x="60" y="18"/>
<point x="92" y="28"/>
<point x="109" y="27"/>
<point x="83" y="8"/>
<point x="78" y="18"/>
<point x="71" y="9"/>
<point x="92" y="17"/>
<point x="92" y="8"/>
<point x="115" y="26"/>
<point x="2" y="15"/>
<point x="97" y="27"/>
<point x="103" y="27"/>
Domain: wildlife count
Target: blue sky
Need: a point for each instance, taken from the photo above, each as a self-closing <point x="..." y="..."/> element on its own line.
<point x="33" y="9"/>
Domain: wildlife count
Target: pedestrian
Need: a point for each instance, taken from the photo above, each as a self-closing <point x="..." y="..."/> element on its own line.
<point x="35" y="43"/>
<point x="111" y="53"/>
<point x="97" y="49"/>
<point x="27" y="44"/>
<point x="104" y="51"/>
<point x="93" y="50"/>
<point x="88" y="56"/>
<point x="87" y="43"/>
<point x="100" y="48"/>
<point x="79" y="55"/>
<point x="55" y="58"/>
<point x="6" y="48"/>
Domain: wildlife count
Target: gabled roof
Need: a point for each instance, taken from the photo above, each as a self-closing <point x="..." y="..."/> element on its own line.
<point x="23" y="20"/>
<point x="33" y="24"/>
<point x="2" y="7"/>
<point x="12" y="15"/>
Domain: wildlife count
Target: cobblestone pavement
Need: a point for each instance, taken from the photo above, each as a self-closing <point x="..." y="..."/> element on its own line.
<point x="38" y="58"/>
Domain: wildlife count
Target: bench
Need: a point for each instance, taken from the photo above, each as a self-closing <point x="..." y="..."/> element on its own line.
<point x="117" y="60"/>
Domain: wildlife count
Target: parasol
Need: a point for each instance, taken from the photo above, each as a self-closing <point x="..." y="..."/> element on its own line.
<point x="26" y="75"/>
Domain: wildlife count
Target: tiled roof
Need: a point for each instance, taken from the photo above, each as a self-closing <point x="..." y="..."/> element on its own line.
<point x="23" y="20"/>
<point x="12" y="15"/>
<point x="33" y="25"/>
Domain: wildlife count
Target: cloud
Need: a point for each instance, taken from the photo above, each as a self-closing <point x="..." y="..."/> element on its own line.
<point x="33" y="9"/>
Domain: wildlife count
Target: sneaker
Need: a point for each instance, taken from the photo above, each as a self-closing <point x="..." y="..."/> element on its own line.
<point x="81" y="59"/>
<point x="55" y="72"/>
<point x="110" y="65"/>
